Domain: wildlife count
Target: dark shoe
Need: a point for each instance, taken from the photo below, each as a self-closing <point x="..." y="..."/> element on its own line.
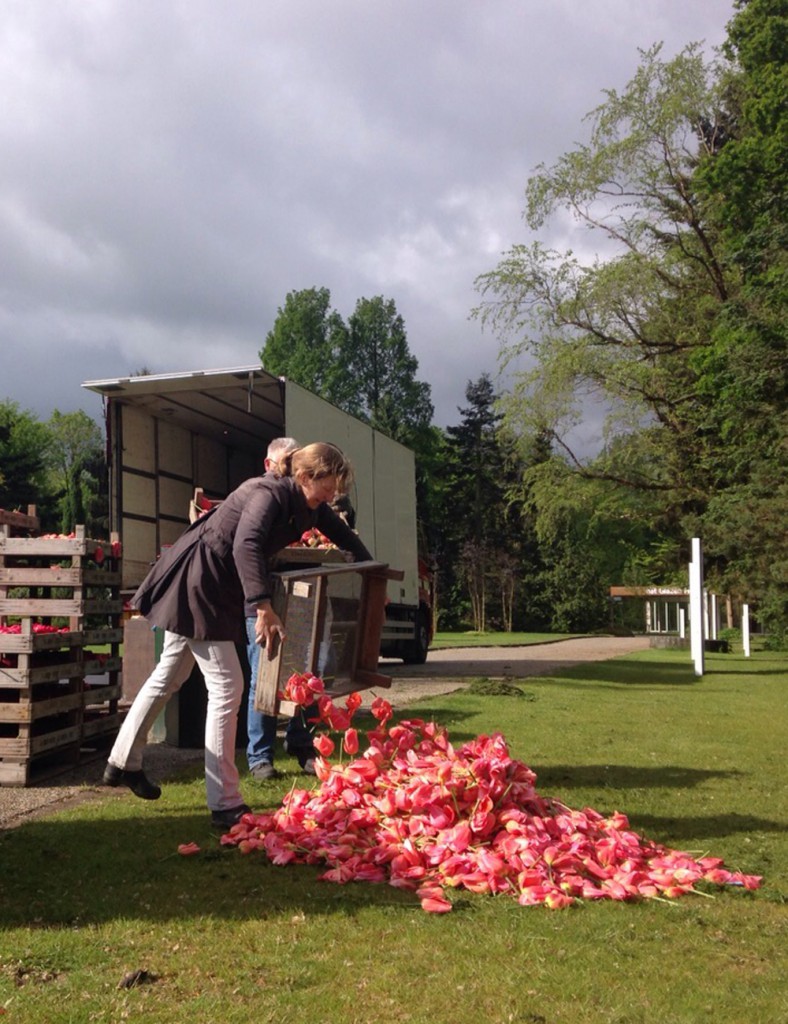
<point x="262" y="771"/>
<point x="230" y="817"/>
<point x="303" y="755"/>
<point x="138" y="782"/>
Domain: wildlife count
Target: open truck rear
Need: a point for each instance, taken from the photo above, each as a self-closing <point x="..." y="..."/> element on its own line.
<point x="169" y="434"/>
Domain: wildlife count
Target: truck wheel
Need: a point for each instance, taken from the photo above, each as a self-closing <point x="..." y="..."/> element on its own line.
<point x="416" y="649"/>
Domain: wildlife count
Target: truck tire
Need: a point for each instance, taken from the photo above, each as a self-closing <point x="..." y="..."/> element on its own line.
<point x="416" y="650"/>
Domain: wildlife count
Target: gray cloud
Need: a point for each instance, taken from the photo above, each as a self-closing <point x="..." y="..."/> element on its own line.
<point x="171" y="170"/>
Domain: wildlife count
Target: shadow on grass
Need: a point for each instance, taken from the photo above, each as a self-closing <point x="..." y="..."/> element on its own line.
<point x="64" y="872"/>
<point x="618" y="776"/>
<point x="671" y="831"/>
<point x="631" y="672"/>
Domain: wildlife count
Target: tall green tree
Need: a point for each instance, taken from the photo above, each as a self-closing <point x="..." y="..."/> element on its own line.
<point x="641" y="327"/>
<point x="24" y="447"/>
<point x="480" y="533"/>
<point x="78" y="471"/>
<point x="380" y="373"/>
<point x="477" y="463"/>
<point x="364" y="367"/>
<point x="305" y="343"/>
<point x="744" y="187"/>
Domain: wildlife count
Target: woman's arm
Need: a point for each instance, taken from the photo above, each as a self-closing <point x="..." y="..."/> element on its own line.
<point x="256" y="539"/>
<point x="337" y="531"/>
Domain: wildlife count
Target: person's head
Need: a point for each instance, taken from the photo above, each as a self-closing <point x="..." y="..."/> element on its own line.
<point x="320" y="469"/>
<point x="276" y="449"/>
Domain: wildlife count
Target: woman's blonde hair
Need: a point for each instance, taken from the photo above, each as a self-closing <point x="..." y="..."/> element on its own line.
<point x="317" y="460"/>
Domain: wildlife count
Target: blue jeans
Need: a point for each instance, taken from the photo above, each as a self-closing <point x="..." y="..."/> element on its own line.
<point x="262" y="728"/>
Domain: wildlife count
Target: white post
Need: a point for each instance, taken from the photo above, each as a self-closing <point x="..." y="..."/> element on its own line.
<point x="682" y="622"/>
<point x="696" y="605"/>
<point x="745" y="629"/>
<point x="714" y="616"/>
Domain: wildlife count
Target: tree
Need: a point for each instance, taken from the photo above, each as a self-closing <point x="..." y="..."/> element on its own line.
<point x="645" y="327"/>
<point x="78" y="471"/>
<point x="364" y="367"/>
<point x="745" y="190"/>
<point x="24" y="446"/>
<point x="305" y="343"/>
<point x="481" y="535"/>
<point x="380" y="373"/>
<point x="477" y="462"/>
<point x="620" y="328"/>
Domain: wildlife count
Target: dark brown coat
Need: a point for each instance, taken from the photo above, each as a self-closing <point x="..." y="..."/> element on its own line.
<point x="204" y="585"/>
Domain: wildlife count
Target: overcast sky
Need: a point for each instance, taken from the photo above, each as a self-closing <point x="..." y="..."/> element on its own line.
<point x="171" y="169"/>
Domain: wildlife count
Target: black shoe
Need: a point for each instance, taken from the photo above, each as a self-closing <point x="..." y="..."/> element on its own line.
<point x="138" y="782"/>
<point x="305" y="756"/>
<point x="229" y="817"/>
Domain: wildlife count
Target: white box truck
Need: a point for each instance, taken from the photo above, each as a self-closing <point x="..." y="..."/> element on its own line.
<point x="168" y="434"/>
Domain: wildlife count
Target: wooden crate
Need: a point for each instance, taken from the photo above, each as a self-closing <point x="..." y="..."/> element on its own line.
<point x="26" y="740"/>
<point x="27" y="771"/>
<point x="58" y="696"/>
<point x="333" y="616"/>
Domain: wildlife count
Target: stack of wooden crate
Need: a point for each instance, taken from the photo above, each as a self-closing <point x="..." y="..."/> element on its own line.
<point x="59" y="694"/>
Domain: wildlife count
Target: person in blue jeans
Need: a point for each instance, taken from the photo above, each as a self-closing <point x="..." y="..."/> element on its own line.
<point x="260" y="728"/>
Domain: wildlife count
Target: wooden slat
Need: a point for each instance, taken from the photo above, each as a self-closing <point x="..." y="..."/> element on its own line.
<point x="96" y="695"/>
<point x="30" y="746"/>
<point x="20" y="678"/>
<point x="41" y="607"/>
<point x="102" y="725"/>
<point x="29" y="643"/>
<point x="31" y="710"/>
<point x="57" y="576"/>
<point x="55" y="547"/>
<point x="20" y="520"/>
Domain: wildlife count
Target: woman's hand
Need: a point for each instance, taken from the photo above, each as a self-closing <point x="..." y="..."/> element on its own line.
<point x="268" y="626"/>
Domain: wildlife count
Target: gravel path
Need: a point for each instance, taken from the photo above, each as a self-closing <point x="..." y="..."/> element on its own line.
<point x="444" y="671"/>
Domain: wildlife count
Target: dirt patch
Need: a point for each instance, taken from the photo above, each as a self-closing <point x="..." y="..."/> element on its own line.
<point x="444" y="672"/>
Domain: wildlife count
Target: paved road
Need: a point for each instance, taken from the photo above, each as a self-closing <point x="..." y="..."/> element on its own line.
<point x="517" y="662"/>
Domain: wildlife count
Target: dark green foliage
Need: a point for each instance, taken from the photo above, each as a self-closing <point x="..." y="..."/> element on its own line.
<point x="380" y="373"/>
<point x="78" y="473"/>
<point x="487" y="552"/>
<point x="364" y="367"/>
<point x="57" y="466"/>
<point x="24" y="448"/>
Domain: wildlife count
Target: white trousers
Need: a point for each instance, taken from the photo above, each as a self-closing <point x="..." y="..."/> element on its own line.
<point x="221" y="669"/>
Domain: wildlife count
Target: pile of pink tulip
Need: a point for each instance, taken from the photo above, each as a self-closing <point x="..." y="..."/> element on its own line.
<point x="416" y="813"/>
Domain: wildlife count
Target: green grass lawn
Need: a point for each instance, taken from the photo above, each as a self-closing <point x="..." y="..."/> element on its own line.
<point x="98" y="891"/>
